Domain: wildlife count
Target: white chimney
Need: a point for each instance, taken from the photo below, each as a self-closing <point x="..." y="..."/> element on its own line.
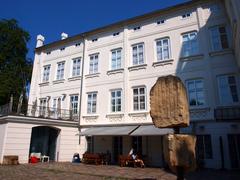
<point x="64" y="35"/>
<point x="40" y="40"/>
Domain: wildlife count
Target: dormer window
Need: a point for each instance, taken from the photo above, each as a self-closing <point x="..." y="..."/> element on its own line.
<point x="95" y="39"/>
<point x="116" y="34"/>
<point x="62" y="49"/>
<point x="186" y="15"/>
<point x="77" y="44"/>
<point x="161" y="21"/>
<point x="137" y="28"/>
<point x="49" y="52"/>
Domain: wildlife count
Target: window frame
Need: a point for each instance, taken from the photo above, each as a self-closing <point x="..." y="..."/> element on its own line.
<point x="94" y="62"/>
<point x="46" y="73"/>
<point x="138" y="98"/>
<point x="91" y="101"/>
<point x="116" y="98"/>
<point x="61" y="71"/>
<point x="205" y="146"/>
<point x="143" y="51"/>
<point x="74" y="103"/>
<point x="162" y="51"/>
<point x="191" y="52"/>
<point x="75" y="72"/>
<point x="116" y="59"/>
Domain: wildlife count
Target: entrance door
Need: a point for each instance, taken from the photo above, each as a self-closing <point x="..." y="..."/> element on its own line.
<point x="117" y="147"/>
<point x="234" y="150"/>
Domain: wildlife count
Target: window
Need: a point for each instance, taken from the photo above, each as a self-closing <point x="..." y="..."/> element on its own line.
<point x="116" y="101"/>
<point x="49" y="52"/>
<point x="95" y="39"/>
<point x="136" y="28"/>
<point x="76" y="67"/>
<point x="195" y="92"/>
<point x="92" y="103"/>
<point x="161" y="22"/>
<point x="93" y="67"/>
<point x="46" y="72"/>
<point x="60" y="70"/>
<point x="219" y="38"/>
<point x="138" y="54"/>
<point x="90" y="144"/>
<point x="62" y="49"/>
<point x="77" y="44"/>
<point x="116" y="59"/>
<point x="74" y="103"/>
<point x="163" y="49"/>
<point x="228" y="89"/>
<point x="187" y="15"/>
<point x="139" y="98"/>
<point x="204" y="147"/>
<point x="189" y="44"/>
<point x="43" y="104"/>
<point x="116" y="34"/>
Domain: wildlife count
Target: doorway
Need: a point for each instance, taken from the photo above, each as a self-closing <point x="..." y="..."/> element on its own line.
<point x="234" y="150"/>
<point x="117" y="147"/>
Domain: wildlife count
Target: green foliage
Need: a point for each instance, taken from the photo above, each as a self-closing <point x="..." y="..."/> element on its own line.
<point x="15" y="68"/>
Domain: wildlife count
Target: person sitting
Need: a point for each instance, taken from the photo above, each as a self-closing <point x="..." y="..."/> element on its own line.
<point x="137" y="160"/>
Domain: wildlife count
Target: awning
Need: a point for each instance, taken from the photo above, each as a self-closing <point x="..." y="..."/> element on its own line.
<point x="107" y="131"/>
<point x="151" y="130"/>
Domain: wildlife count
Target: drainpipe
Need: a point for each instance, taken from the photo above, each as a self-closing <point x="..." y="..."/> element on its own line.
<point x="81" y="87"/>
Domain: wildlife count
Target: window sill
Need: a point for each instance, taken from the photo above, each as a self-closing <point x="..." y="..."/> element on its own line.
<point x="111" y="115"/>
<point x="200" y="108"/>
<point x="44" y="84"/>
<point x="221" y="52"/>
<point x="92" y="75"/>
<point x="162" y="62"/>
<point x="92" y="116"/>
<point x="115" y="71"/>
<point x="74" y="78"/>
<point x="137" y="67"/>
<point x="193" y="57"/>
<point x="58" y="81"/>
<point x="138" y="113"/>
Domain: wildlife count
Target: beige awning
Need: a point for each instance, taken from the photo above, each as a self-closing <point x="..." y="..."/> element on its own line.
<point x="108" y="131"/>
<point x="151" y="130"/>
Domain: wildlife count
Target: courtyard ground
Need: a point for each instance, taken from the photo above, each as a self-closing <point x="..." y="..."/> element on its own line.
<point x="65" y="171"/>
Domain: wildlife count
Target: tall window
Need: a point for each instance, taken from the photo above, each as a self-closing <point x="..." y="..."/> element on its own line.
<point x="189" y="44"/>
<point x="195" y="92"/>
<point x="116" y="59"/>
<point x="93" y="66"/>
<point x="43" y="104"/>
<point x="163" y="49"/>
<point x="74" y="103"/>
<point x="60" y="70"/>
<point x="76" y="67"/>
<point x="116" y="101"/>
<point x="138" y="53"/>
<point x="92" y="103"/>
<point x="219" y="38"/>
<point x="204" y="147"/>
<point x="46" y="72"/>
<point x="228" y="89"/>
<point x="139" y="98"/>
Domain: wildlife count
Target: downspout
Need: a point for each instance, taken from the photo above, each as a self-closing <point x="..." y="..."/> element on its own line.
<point x="81" y="87"/>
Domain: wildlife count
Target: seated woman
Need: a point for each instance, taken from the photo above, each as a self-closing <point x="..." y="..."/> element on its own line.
<point x="136" y="159"/>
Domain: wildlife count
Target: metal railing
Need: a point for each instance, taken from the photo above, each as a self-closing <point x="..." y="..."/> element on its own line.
<point x="39" y="111"/>
<point x="227" y="113"/>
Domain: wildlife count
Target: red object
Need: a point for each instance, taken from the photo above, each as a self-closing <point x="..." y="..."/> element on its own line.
<point x="33" y="159"/>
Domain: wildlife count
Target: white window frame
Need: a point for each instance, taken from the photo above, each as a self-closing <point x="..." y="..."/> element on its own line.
<point x="93" y="63"/>
<point x="46" y="73"/>
<point x="74" y="101"/>
<point x="196" y="91"/>
<point x="138" y="62"/>
<point x="91" y="102"/>
<point x="218" y="37"/>
<point x="189" y="51"/>
<point x="60" y="70"/>
<point x="138" y="96"/>
<point x="222" y="102"/>
<point x="161" y="49"/>
<point x="117" y="59"/>
<point x="76" y="67"/>
<point x="114" y="100"/>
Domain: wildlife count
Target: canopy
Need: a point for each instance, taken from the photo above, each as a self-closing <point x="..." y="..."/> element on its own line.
<point x="106" y="131"/>
<point x="151" y="130"/>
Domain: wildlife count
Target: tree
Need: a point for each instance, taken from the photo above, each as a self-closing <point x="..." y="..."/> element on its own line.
<point x="15" y="68"/>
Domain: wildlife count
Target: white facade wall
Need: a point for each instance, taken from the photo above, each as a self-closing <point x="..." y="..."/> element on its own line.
<point x="2" y="139"/>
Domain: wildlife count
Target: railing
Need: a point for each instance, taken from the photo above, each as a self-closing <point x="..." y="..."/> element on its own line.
<point x="227" y="113"/>
<point x="39" y="111"/>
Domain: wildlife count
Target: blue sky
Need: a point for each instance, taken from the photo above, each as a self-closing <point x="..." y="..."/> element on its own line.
<point x="51" y="18"/>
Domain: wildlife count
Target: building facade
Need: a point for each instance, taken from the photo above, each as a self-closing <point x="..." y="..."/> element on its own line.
<point x="100" y="81"/>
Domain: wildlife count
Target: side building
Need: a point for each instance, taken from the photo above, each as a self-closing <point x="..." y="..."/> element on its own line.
<point x="94" y="87"/>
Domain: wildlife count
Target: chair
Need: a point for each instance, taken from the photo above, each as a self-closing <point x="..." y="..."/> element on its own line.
<point x="44" y="157"/>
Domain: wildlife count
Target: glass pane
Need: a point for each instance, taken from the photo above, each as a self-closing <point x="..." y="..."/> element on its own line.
<point x="142" y="106"/>
<point x="135" y="106"/>
<point x="113" y="94"/>
<point x="191" y="86"/>
<point x="199" y="84"/>
<point x="118" y="93"/>
<point x="142" y="91"/>
<point x="231" y="80"/>
<point x="135" y="91"/>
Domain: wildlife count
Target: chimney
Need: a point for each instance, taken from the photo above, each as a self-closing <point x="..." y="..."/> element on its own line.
<point x="40" y="40"/>
<point x="64" y="36"/>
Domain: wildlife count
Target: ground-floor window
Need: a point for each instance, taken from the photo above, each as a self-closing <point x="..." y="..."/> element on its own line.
<point x="204" y="147"/>
<point x="137" y="144"/>
<point x="90" y="144"/>
<point x="117" y="147"/>
<point x="234" y="150"/>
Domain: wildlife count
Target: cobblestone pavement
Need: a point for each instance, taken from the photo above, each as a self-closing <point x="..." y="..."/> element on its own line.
<point x="65" y="171"/>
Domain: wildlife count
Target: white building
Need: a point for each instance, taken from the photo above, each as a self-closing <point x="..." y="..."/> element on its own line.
<point x="97" y="84"/>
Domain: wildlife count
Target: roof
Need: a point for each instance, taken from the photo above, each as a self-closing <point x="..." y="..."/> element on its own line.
<point x="119" y="24"/>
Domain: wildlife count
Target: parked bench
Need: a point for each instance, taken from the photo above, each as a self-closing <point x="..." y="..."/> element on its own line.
<point x="90" y="158"/>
